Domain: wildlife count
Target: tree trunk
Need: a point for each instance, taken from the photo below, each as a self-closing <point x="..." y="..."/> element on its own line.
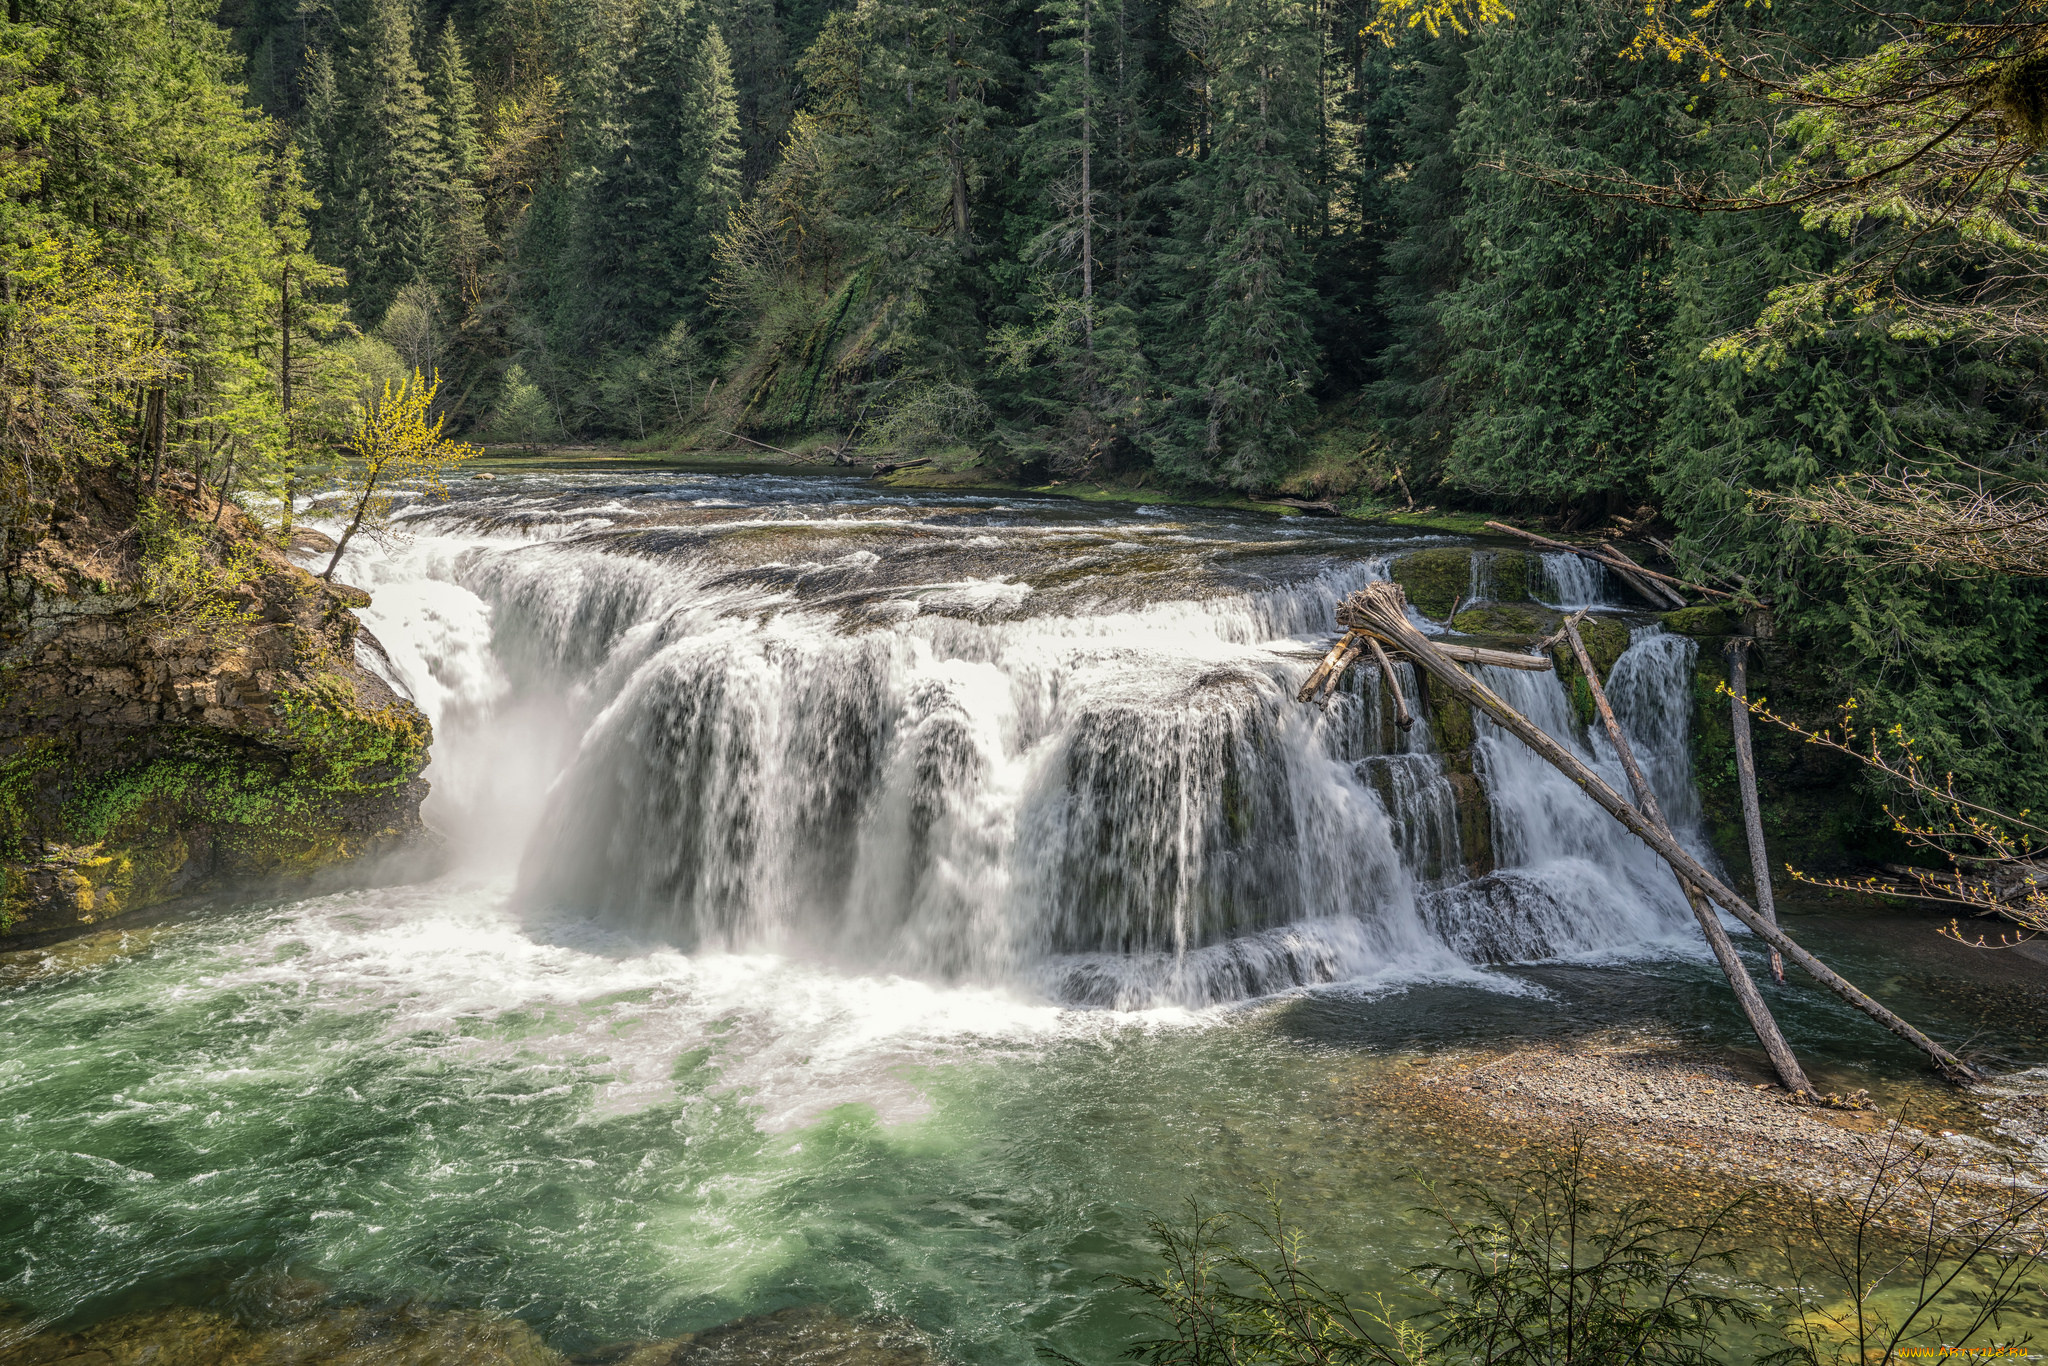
<point x="955" y="152"/>
<point x="156" y="438"/>
<point x="227" y="480"/>
<point x="1752" y="811"/>
<point x="354" y="521"/>
<point x="1746" y="995"/>
<point x="1401" y="716"/>
<point x="1087" y="184"/>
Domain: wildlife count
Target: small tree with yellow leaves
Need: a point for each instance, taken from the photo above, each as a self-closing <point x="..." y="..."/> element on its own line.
<point x="395" y="438"/>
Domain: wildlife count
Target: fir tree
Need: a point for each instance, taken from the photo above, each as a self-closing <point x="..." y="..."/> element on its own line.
<point x="649" y="210"/>
<point x="459" y="240"/>
<point x="762" y="87"/>
<point x="1239" y="288"/>
<point x="384" y="172"/>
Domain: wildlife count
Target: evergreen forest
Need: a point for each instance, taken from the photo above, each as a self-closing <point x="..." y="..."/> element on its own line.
<point x="1231" y="245"/>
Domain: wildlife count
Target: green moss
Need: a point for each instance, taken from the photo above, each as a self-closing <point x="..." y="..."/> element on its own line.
<point x="346" y="747"/>
<point x="20" y="775"/>
<point x="1434" y="580"/>
<point x="1510" y="576"/>
<point x="1435" y="519"/>
<point x="1517" y="621"/>
<point x="1700" y="621"/>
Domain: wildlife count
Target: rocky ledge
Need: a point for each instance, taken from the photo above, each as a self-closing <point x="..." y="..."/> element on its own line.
<point x="181" y="711"/>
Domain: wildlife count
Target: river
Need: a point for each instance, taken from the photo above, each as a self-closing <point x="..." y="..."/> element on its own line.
<point x="855" y="898"/>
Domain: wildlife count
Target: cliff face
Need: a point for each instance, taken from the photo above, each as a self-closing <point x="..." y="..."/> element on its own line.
<point x="181" y="711"/>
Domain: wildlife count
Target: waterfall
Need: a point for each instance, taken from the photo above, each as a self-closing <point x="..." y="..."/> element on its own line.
<point x="1569" y="582"/>
<point x="857" y="735"/>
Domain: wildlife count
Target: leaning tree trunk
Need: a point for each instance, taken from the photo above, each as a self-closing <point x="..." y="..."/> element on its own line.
<point x="1382" y="609"/>
<point x="1746" y="995"/>
<point x="1745" y="773"/>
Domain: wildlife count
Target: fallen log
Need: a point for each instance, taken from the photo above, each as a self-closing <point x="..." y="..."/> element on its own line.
<point x="1506" y="659"/>
<point x="1473" y="654"/>
<point x="1619" y="564"/>
<point x="1745" y="772"/>
<point x="1344" y="663"/>
<point x="765" y="446"/>
<point x="1326" y="508"/>
<point x="1754" y="1008"/>
<point x="894" y="466"/>
<point x="1401" y="716"/>
<point x="1322" y="670"/>
<point x="1382" y="609"/>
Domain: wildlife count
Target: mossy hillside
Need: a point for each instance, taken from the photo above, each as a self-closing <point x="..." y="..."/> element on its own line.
<point x="192" y="718"/>
<point x="179" y="808"/>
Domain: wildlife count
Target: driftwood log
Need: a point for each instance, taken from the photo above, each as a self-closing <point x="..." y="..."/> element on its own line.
<point x="1381" y="609"/>
<point x="1745" y="772"/>
<point x="1754" y="1009"/>
<point x="1379" y="656"/>
<point x="1352" y="650"/>
<point x="1626" y="569"/>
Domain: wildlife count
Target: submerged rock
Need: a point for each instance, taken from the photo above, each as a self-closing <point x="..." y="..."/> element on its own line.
<point x="181" y="710"/>
<point x="807" y="1336"/>
<point x="407" y="1335"/>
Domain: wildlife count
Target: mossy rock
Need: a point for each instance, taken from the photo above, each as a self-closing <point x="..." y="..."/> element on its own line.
<point x="1518" y="622"/>
<point x="1605" y="639"/>
<point x="1509" y="572"/>
<point x="1450" y="725"/>
<point x="1700" y="621"/>
<point x="1475" y="823"/>
<point x="1434" y="580"/>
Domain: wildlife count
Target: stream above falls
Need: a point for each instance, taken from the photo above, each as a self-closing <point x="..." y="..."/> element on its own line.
<point x="869" y="900"/>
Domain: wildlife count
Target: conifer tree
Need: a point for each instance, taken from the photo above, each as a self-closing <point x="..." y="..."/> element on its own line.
<point x="648" y="211"/>
<point x="762" y="88"/>
<point x="384" y="169"/>
<point x="1089" y="153"/>
<point x="1557" y="323"/>
<point x="1238" y="286"/>
<point x="459" y="240"/>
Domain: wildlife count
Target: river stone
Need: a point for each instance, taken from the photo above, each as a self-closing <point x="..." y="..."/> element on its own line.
<point x="807" y="1336"/>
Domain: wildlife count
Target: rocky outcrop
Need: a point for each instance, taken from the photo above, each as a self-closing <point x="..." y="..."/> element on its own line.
<point x="181" y="711"/>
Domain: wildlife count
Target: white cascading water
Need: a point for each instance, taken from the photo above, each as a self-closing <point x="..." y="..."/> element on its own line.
<point x="1569" y="582"/>
<point x="1097" y="794"/>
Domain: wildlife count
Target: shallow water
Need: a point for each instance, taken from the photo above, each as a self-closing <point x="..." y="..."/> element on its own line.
<point x="768" y="974"/>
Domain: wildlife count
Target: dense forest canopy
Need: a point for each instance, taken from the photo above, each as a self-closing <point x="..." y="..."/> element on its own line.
<point x="1235" y="243"/>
